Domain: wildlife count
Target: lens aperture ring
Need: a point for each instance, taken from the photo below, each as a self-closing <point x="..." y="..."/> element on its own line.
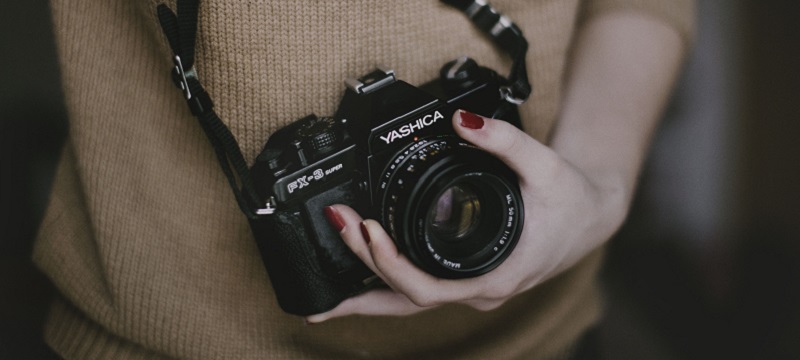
<point x="404" y="171"/>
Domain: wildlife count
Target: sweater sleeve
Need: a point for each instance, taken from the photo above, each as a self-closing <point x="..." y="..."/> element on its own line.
<point x="677" y="13"/>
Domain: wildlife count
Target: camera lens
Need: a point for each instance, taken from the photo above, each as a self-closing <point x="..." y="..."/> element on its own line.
<point x="451" y="208"/>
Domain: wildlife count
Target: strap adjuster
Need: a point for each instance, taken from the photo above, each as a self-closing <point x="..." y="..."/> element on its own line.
<point x="501" y="25"/>
<point x="182" y="76"/>
<point x="198" y="100"/>
<point x="473" y="8"/>
<point x="487" y="17"/>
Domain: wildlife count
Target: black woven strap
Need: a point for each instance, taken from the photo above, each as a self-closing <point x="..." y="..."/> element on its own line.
<point x="181" y="33"/>
<point x="505" y="34"/>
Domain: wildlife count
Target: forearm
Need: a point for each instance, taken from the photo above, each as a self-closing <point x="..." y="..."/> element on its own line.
<point x="623" y="68"/>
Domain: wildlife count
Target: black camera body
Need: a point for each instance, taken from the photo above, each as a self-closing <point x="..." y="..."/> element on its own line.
<point x="391" y="153"/>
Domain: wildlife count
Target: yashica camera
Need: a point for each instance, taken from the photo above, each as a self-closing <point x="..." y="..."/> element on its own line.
<point x="391" y="153"/>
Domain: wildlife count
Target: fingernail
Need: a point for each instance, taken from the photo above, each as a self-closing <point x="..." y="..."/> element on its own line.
<point x="364" y="232"/>
<point x="308" y="323"/>
<point x="470" y="120"/>
<point x="334" y="218"/>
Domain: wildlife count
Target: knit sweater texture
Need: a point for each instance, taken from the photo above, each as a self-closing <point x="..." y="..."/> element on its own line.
<point x="142" y="236"/>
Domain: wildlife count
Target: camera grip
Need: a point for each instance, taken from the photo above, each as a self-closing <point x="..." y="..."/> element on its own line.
<point x="301" y="286"/>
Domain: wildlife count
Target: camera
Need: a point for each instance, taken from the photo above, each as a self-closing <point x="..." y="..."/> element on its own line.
<point x="391" y="153"/>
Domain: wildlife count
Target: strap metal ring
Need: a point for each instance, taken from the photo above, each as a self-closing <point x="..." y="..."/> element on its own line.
<point x="507" y="94"/>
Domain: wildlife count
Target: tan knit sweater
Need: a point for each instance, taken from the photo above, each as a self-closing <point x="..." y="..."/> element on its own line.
<point x="142" y="236"/>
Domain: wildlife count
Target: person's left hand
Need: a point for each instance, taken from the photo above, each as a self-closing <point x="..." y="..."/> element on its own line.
<point x="567" y="214"/>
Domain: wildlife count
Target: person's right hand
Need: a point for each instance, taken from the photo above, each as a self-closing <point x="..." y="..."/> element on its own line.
<point x="567" y="215"/>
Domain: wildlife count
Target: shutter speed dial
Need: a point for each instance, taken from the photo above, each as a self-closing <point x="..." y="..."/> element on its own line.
<point x="318" y="134"/>
<point x="315" y="137"/>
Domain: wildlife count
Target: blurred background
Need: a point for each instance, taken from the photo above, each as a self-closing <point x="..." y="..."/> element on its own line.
<point x="707" y="265"/>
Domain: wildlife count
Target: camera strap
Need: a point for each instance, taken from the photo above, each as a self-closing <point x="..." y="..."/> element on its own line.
<point x="181" y="32"/>
<point x="508" y="36"/>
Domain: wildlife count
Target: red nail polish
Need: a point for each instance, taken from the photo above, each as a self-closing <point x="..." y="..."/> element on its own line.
<point x="365" y="233"/>
<point x="470" y="120"/>
<point x="334" y="218"/>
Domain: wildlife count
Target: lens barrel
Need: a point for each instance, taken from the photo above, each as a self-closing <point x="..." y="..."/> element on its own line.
<point x="451" y="208"/>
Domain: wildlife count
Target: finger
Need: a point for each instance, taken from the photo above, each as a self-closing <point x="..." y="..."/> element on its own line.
<point x="375" y="302"/>
<point x="398" y="272"/>
<point x="348" y="223"/>
<point x="522" y="153"/>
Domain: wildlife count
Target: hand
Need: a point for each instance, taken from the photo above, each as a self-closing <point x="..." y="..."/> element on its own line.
<point x="567" y="215"/>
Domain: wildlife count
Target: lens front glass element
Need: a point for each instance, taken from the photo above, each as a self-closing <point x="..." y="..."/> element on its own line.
<point x="464" y="220"/>
<point x="455" y="214"/>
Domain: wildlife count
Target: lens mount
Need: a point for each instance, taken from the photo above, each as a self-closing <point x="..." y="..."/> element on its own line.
<point x="451" y="208"/>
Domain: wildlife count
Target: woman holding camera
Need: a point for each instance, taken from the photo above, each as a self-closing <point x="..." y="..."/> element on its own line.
<point x="152" y="259"/>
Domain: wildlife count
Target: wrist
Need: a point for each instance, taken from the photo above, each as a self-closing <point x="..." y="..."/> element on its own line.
<point x="615" y="194"/>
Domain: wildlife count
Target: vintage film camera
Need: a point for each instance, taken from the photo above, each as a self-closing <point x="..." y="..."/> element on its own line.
<point x="391" y="153"/>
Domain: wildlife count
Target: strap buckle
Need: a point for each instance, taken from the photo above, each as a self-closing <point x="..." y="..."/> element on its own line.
<point x="199" y="101"/>
<point x="182" y="76"/>
<point x="488" y="18"/>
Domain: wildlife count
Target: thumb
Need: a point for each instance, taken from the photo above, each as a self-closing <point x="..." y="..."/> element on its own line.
<point x="522" y="153"/>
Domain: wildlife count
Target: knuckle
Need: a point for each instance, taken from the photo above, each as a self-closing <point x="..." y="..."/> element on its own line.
<point x="422" y="299"/>
<point x="488" y="305"/>
<point x="500" y="291"/>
